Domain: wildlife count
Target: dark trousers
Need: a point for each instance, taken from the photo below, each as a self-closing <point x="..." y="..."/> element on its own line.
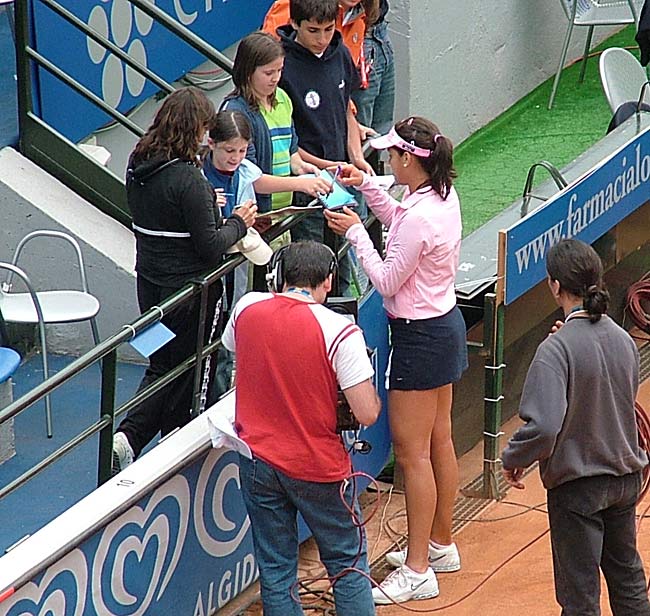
<point x="593" y="527"/>
<point x="170" y="407"/>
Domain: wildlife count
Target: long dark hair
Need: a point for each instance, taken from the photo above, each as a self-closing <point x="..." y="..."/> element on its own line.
<point x="579" y="270"/>
<point x="371" y="7"/>
<point x="255" y="50"/>
<point x="439" y="165"/>
<point x="176" y="129"/>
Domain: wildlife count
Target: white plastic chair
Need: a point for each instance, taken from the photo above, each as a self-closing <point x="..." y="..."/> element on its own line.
<point x="51" y="306"/>
<point x="622" y="77"/>
<point x="593" y="13"/>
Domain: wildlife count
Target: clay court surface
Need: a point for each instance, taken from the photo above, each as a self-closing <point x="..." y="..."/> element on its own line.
<point x="504" y="545"/>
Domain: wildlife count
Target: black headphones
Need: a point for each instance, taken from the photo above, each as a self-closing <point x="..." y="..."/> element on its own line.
<point x="275" y="268"/>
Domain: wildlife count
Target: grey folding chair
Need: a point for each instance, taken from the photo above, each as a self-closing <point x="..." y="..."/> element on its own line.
<point x="622" y="77"/>
<point x="592" y="13"/>
<point x="50" y="306"/>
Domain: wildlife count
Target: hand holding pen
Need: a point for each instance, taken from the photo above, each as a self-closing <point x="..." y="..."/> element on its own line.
<point x="337" y="174"/>
<point x="349" y="175"/>
<point x="221" y="197"/>
<point x="246" y="211"/>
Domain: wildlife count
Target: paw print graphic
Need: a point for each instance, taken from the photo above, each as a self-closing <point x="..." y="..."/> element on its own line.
<point x="115" y="20"/>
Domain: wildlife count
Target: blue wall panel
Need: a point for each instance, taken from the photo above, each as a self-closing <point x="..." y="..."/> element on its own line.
<point x="8" y="98"/>
<point x="219" y="22"/>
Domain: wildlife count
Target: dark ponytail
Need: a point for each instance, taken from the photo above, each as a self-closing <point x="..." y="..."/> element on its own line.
<point x="579" y="270"/>
<point x="595" y="301"/>
<point x="439" y="165"/>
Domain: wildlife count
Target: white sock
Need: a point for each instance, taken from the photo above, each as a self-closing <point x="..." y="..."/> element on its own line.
<point x="439" y="546"/>
<point x="413" y="572"/>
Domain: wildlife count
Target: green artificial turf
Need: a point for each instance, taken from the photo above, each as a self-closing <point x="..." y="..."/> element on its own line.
<point x="492" y="163"/>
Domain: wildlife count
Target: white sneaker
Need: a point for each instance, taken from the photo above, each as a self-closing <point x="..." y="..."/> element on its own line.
<point x="404" y="584"/>
<point x="122" y="453"/>
<point x="441" y="560"/>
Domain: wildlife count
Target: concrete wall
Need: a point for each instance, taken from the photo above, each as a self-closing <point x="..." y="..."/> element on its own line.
<point x="31" y="199"/>
<point x="464" y="63"/>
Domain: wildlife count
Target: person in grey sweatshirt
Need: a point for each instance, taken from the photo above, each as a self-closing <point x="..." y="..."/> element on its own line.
<point x="578" y="408"/>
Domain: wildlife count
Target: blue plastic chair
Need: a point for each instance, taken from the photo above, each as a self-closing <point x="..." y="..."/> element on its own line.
<point x="9" y="361"/>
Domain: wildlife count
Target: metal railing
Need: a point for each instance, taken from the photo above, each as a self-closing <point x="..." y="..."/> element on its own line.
<point x="106" y="353"/>
<point x="98" y="185"/>
<point x="51" y="150"/>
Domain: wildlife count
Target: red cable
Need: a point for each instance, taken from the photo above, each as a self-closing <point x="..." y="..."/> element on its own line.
<point x="356" y="521"/>
<point x="638" y="295"/>
<point x="643" y="425"/>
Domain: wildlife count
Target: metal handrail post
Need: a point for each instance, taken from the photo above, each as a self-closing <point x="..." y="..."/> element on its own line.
<point x="184" y="33"/>
<point x="107" y="411"/>
<point x="200" y="344"/>
<point x="25" y="103"/>
<point x="553" y="171"/>
<point x="494" y="350"/>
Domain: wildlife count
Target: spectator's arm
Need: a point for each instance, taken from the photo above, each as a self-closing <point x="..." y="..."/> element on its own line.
<point x="321" y="163"/>
<point x="364" y="402"/>
<point x="299" y="166"/>
<point x="210" y="241"/>
<point x="355" y="151"/>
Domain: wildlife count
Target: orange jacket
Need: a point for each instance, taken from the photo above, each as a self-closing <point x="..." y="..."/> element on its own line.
<point x="353" y="32"/>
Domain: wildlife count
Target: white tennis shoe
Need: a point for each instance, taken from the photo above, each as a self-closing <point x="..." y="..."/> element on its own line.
<point x="122" y="453"/>
<point x="441" y="560"/>
<point x="404" y="584"/>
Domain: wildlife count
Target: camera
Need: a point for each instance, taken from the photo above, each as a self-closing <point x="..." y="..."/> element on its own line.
<point x="345" y="419"/>
<point x="347" y="306"/>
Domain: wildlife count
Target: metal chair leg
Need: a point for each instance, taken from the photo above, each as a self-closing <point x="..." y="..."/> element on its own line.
<point x="565" y="48"/>
<point x="585" y="56"/>
<point x="46" y="373"/>
<point x="95" y="330"/>
<point x="635" y="15"/>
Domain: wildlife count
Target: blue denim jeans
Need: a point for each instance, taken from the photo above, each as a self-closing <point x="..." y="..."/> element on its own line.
<point x="376" y="104"/>
<point x="273" y="501"/>
<point x="593" y="527"/>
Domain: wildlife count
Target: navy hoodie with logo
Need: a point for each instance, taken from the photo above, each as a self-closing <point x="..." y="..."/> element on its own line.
<point x="320" y="90"/>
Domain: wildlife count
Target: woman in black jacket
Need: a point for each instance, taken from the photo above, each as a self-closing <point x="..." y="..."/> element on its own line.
<point x="180" y="235"/>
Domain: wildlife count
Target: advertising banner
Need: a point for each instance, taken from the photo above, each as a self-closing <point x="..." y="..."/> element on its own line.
<point x="585" y="210"/>
<point x="218" y="22"/>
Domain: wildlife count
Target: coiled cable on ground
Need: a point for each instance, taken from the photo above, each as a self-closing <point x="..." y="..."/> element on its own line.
<point x="637" y="300"/>
<point x="638" y="297"/>
<point x="643" y="424"/>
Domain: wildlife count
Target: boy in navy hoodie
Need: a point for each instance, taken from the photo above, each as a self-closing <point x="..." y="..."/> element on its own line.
<point x="319" y="77"/>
